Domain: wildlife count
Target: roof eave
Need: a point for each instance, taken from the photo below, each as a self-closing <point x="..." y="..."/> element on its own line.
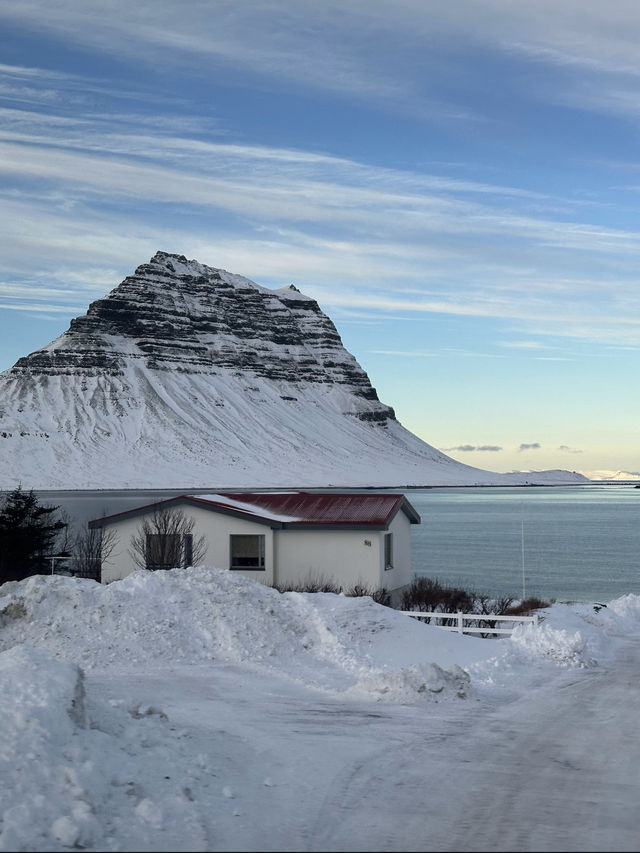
<point x="409" y="511"/>
<point x="332" y="525"/>
<point x="181" y="499"/>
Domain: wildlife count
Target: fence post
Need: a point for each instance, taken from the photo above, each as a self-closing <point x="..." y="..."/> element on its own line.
<point x="460" y="622"/>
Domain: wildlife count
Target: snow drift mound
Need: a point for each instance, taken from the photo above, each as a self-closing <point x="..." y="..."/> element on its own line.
<point x="571" y="636"/>
<point x="344" y="646"/>
<point x="191" y="616"/>
<point x="67" y="777"/>
<point x="39" y="717"/>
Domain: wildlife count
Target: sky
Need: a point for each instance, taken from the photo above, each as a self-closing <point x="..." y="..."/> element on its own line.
<point x="455" y="183"/>
<point x="196" y="709"/>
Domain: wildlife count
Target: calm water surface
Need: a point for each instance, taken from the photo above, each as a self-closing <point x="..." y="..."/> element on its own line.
<point x="581" y="543"/>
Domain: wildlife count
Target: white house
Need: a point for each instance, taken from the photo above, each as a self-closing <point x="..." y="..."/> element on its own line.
<point x="283" y="538"/>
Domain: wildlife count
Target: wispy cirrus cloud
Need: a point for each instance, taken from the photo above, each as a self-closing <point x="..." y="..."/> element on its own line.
<point x="442" y="178"/>
<point x="285" y="185"/>
<point x="361" y="238"/>
<point x="524" y="345"/>
<point x="338" y="47"/>
<point x="274" y="40"/>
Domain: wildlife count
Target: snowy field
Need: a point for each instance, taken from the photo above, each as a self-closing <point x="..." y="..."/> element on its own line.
<point x="198" y="710"/>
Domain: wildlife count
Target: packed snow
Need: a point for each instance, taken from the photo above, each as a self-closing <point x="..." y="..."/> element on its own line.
<point x="199" y="710"/>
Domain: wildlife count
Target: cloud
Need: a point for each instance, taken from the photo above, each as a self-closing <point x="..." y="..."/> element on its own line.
<point x="404" y="353"/>
<point x="565" y="449"/>
<point x="276" y="41"/>
<point x="360" y="238"/>
<point x="533" y="446"/>
<point x="468" y="448"/>
<point x="344" y="47"/>
<point x="527" y="345"/>
<point x="586" y="50"/>
<point x="41" y="308"/>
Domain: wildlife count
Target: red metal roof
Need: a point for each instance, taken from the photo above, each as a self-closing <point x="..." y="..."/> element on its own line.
<point x="308" y="508"/>
<point x="292" y="508"/>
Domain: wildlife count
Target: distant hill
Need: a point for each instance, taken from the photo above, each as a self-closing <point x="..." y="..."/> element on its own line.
<point x="612" y="476"/>
<point x="191" y="376"/>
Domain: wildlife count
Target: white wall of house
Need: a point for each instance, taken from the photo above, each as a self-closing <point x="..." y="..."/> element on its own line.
<point x="344" y="557"/>
<point x="119" y="563"/>
<point x="216" y="529"/>
<point x="340" y="556"/>
<point x="400" y="575"/>
<point x="348" y="558"/>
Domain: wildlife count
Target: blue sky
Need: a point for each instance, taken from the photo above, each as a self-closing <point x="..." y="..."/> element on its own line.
<point x="457" y="183"/>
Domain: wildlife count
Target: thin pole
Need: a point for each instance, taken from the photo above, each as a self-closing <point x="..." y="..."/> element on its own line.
<point x="524" y="595"/>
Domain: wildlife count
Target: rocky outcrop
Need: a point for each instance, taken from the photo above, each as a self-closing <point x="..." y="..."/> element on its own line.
<point x="177" y="314"/>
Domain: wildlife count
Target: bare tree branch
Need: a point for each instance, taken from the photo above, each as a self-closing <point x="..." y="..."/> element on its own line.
<point x="90" y="549"/>
<point x="165" y="541"/>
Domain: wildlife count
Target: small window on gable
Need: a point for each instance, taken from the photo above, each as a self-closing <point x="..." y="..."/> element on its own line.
<point x="388" y="551"/>
<point x="247" y="552"/>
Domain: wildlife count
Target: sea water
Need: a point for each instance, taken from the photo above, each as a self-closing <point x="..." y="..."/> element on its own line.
<point x="573" y="543"/>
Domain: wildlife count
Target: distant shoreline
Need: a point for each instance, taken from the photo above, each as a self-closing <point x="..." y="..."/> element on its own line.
<point x="210" y="489"/>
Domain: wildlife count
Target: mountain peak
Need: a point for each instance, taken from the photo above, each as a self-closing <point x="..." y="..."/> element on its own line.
<point x="175" y="313"/>
<point x="188" y="376"/>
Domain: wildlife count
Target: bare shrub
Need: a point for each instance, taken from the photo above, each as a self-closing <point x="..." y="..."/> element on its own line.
<point x="491" y="606"/>
<point x="90" y="549"/>
<point x="318" y="583"/>
<point x="524" y="608"/>
<point x="426" y="594"/>
<point x="380" y="596"/>
<point x="165" y="540"/>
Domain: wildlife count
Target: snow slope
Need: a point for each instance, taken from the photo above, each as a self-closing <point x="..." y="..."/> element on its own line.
<point x="186" y="376"/>
<point x="198" y="710"/>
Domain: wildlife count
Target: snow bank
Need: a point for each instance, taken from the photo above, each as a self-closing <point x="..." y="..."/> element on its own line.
<point x="65" y="784"/>
<point x="325" y="641"/>
<point x="328" y="642"/>
<point x="41" y="708"/>
<point x="567" y="635"/>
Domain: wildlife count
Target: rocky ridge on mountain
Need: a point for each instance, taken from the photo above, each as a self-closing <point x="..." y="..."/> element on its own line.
<point x="182" y="315"/>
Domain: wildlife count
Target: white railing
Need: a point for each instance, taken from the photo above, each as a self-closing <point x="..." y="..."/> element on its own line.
<point x="53" y="559"/>
<point x="461" y="618"/>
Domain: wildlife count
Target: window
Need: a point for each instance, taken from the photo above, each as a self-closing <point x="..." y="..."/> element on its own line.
<point x="168" y="550"/>
<point x="388" y="551"/>
<point x="247" y="552"/>
<point x="188" y="549"/>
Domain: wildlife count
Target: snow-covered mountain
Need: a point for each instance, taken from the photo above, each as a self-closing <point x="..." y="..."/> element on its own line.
<point x="609" y="476"/>
<point x="190" y="376"/>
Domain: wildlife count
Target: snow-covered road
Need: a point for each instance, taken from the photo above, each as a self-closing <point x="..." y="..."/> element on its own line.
<point x="554" y="771"/>
<point x="563" y="774"/>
